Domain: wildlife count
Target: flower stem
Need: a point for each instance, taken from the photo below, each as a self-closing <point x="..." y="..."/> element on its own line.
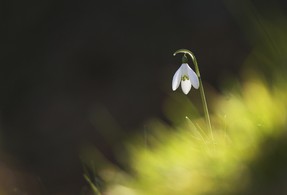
<point x="202" y="94"/>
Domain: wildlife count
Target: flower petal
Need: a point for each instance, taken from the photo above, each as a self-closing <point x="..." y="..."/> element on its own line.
<point x="193" y="78"/>
<point x="176" y="79"/>
<point x="184" y="68"/>
<point x="185" y="86"/>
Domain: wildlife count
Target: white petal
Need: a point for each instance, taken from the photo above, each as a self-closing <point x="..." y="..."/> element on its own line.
<point x="176" y="79"/>
<point x="184" y="68"/>
<point x="185" y="86"/>
<point x="193" y="78"/>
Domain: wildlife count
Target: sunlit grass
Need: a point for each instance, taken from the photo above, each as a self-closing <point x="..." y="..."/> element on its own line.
<point x="183" y="160"/>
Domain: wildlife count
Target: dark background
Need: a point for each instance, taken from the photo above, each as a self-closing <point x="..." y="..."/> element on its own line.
<point x="67" y="66"/>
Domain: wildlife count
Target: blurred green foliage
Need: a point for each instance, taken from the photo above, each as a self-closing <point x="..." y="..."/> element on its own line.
<point x="183" y="160"/>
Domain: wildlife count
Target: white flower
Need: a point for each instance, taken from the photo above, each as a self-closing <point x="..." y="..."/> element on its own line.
<point x="187" y="77"/>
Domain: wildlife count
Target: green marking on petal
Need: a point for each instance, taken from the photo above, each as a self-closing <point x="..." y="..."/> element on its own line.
<point x="184" y="77"/>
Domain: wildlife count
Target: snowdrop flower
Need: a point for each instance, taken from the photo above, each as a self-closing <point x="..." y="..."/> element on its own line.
<point x="187" y="77"/>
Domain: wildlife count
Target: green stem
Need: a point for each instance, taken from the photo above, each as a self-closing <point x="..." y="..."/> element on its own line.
<point x="92" y="185"/>
<point x="202" y="94"/>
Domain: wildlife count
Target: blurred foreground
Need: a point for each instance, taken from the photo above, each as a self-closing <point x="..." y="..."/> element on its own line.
<point x="246" y="156"/>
